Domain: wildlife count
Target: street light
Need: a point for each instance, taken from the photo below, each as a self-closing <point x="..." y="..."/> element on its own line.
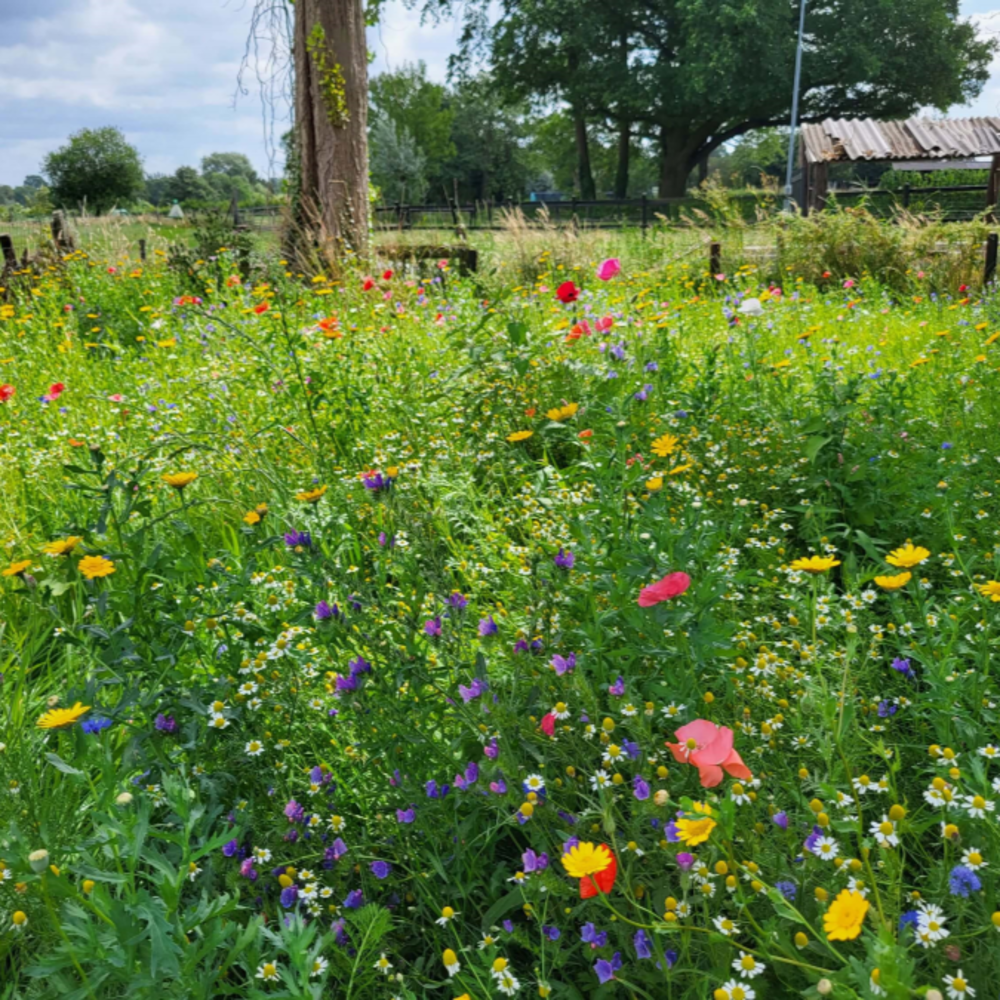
<point x="795" y="107"/>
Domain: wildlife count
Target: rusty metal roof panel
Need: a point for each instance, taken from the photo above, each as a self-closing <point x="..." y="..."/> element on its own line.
<point x="846" y="139"/>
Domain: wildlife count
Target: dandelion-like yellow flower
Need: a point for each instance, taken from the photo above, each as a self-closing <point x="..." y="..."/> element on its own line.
<point x="251" y="517"/>
<point x="665" y="445"/>
<point x="560" y="413"/>
<point x="586" y="859"/>
<point x="678" y="469"/>
<point x="311" y="496"/>
<point x="894" y="582"/>
<point x="990" y="590"/>
<point x="95" y="567"/>
<point x="16" y="569"/>
<point x="519" y="436"/>
<point x="56" y="718"/>
<point x="654" y="484"/>
<point x="815" y="564"/>
<point x="843" y="920"/>
<point x="62" y="546"/>
<point x="694" y="831"/>
<point x="907" y="556"/>
<point x="180" y="479"/>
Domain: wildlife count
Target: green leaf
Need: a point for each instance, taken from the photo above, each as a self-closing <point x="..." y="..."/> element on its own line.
<point x="518" y="333"/>
<point x="57" y="762"/>
<point x="813" y="445"/>
<point x="511" y="901"/>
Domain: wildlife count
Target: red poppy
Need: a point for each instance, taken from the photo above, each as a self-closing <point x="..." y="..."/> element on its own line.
<point x="671" y="586"/>
<point x="567" y="292"/>
<point x="586" y="435"/>
<point x="530" y="411"/>
<point x="387" y="275"/>
<point x="548" y="724"/>
<point x="262" y="308"/>
<point x="604" y="880"/>
<point x="56" y="390"/>
<point x="6" y="391"/>
<point x="368" y="284"/>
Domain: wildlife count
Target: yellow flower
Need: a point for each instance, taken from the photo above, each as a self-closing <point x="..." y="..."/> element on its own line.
<point x="519" y="436"/>
<point x="694" y="831"/>
<point x="908" y="556"/>
<point x="586" y="859"/>
<point x="561" y="413"/>
<point x="93" y="567"/>
<point x="843" y="920"/>
<point x="56" y="718"/>
<point x="678" y="469"/>
<point x="180" y="479"/>
<point x="311" y="496"/>
<point x="62" y="546"/>
<point x="252" y="517"/>
<point x="815" y="564"/>
<point x="654" y="484"/>
<point x="990" y="590"/>
<point x="16" y="569"/>
<point x="665" y="445"/>
<point x="894" y="582"/>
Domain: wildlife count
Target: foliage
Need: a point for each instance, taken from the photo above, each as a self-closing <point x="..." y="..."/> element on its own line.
<point x="97" y="167"/>
<point x="372" y="653"/>
<point x="397" y="165"/>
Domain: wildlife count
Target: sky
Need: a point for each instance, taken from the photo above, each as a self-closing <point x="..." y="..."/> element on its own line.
<point x="166" y="74"/>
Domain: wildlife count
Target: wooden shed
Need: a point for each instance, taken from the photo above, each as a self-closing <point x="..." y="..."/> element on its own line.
<point x="847" y="140"/>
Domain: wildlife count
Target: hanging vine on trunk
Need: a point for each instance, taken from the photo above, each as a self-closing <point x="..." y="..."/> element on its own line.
<point x="330" y="78"/>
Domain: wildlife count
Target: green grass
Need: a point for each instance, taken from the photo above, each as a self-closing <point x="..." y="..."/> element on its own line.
<point x="353" y="449"/>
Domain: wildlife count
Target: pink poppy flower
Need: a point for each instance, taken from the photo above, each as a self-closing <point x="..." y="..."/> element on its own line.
<point x="710" y="749"/>
<point x="609" y="268"/>
<point x="548" y="724"/>
<point x="671" y="586"/>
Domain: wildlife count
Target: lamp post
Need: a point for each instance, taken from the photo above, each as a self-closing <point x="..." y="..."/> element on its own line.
<point x="795" y="107"/>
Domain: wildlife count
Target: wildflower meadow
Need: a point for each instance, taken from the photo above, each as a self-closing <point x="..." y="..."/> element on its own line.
<point x="626" y="632"/>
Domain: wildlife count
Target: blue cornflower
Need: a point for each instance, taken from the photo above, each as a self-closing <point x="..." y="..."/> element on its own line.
<point x="94" y="726"/>
<point x="963" y="881"/>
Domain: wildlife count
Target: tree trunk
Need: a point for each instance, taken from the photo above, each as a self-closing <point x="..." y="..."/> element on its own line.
<point x="584" y="176"/>
<point x="676" y="150"/>
<point x="703" y="168"/>
<point x="624" y="148"/>
<point x="331" y="121"/>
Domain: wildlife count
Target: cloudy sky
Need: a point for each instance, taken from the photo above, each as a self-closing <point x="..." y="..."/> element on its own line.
<point x="165" y="73"/>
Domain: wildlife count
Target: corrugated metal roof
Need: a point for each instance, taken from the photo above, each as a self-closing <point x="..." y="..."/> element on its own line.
<point x="844" y="139"/>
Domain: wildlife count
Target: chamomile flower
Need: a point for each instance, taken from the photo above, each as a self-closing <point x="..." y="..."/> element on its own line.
<point x="447" y="915"/>
<point x="253" y="748"/>
<point x="383" y="965"/>
<point x="747" y="966"/>
<point x="268" y="971"/>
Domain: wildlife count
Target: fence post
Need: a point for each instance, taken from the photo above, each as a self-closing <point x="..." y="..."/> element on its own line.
<point x="234" y="207"/>
<point x="142" y="249"/>
<point x="715" y="258"/>
<point x="645" y="215"/>
<point x="990" y="268"/>
<point x="906" y="196"/>
<point x="7" y="245"/>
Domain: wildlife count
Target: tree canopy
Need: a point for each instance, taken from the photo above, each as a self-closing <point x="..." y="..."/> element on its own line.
<point x="98" y="167"/>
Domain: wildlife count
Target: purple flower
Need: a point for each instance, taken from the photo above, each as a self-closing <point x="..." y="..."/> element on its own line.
<point x="962" y="881"/>
<point x="348" y="683"/>
<point x="552" y="933"/>
<point x="685" y="861"/>
<point x="94" y="726"/>
<point x="298" y="539"/>
<point x="564" y="559"/>
<point x="780" y="819"/>
<point x="288" y="896"/>
<point x="589" y="934"/>
<point x="471" y="773"/>
<point x="810" y="842"/>
<point x="339" y="929"/>
<point x="641" y="944"/>
<point x="632" y="749"/>
<point x="431" y="788"/>
<point x="230" y="849"/>
<point x="487" y="626"/>
<point x="492" y="749"/>
<point x="563" y="664"/>
<point x="498" y="787"/>
<point x="337" y="849"/>
<point x="457" y="601"/>
<point x="652" y="366"/>
<point x="886" y="709"/>
<point x="474" y="690"/>
<point x="359" y="666"/>
<point x="380" y="869"/>
<point x="618" y="351"/>
<point x="570" y="844"/>
<point x="911" y="918"/>
<point x="324" y="612"/>
<point x="432" y="627"/>
<point x="532" y="862"/>
<point x="406" y="815"/>
<point x="294" y="812"/>
<point x="508" y="926"/>
<point x="643" y="394"/>
<point x="377" y="482"/>
<point x="902" y="666"/>
<point x="618" y="688"/>
<point x="384" y="540"/>
<point x="247" y="870"/>
<point x="640" y="788"/>
<point x="787" y="889"/>
<point x="606" y="970"/>
<point x="355" y="900"/>
<point x="165" y="723"/>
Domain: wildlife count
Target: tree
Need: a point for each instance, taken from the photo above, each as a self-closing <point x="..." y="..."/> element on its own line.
<point x="694" y="74"/>
<point x="397" y="165"/>
<point x="331" y="120"/>
<point x="34" y="181"/>
<point x="188" y="185"/>
<point x="96" y="166"/>
<point x="228" y="165"/>
<point x="157" y="188"/>
<point x="407" y="98"/>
